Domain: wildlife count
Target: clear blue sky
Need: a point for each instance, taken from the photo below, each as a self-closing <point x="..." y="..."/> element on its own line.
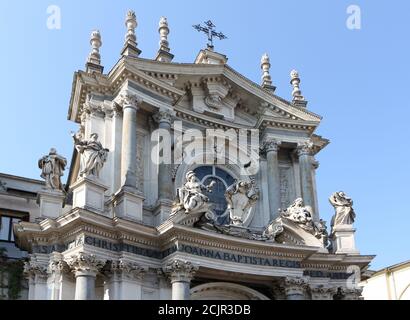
<point x="357" y="80"/>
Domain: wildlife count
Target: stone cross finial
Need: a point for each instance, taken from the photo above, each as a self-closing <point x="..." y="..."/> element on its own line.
<point x="298" y="98"/>
<point x="131" y="45"/>
<point x="94" y="58"/>
<point x="164" y="54"/>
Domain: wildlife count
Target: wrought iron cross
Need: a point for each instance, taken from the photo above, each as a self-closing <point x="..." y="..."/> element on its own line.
<point x="210" y="32"/>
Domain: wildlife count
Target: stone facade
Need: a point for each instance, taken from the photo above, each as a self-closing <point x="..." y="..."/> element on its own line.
<point x="130" y="228"/>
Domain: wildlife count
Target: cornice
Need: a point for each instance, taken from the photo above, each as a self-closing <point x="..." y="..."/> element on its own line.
<point x="148" y="73"/>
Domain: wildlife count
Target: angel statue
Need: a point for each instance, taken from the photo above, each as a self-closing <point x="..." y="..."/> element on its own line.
<point x="191" y="197"/>
<point x="344" y="213"/>
<point x="93" y="155"/>
<point x="52" y="169"/>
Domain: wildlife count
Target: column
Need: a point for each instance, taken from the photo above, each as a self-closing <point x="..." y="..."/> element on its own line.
<point x="128" y="201"/>
<point x="129" y="103"/>
<point x="165" y="183"/>
<point x="295" y="288"/>
<point x="180" y="273"/>
<point x="85" y="268"/>
<point x="271" y="147"/>
<point x="59" y="280"/>
<point x="304" y="152"/>
<point x="37" y="278"/>
<point x="116" y="135"/>
<point x="124" y="281"/>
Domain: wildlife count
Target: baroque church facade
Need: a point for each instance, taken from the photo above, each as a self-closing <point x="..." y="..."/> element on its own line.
<point x="133" y="222"/>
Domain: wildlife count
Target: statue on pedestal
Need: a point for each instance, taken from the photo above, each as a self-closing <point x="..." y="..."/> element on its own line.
<point x="344" y="213"/>
<point x="190" y="197"/>
<point x="92" y="155"/>
<point x="52" y="169"/>
<point x="240" y="198"/>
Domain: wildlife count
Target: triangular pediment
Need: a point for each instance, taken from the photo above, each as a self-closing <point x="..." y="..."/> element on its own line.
<point x="219" y="90"/>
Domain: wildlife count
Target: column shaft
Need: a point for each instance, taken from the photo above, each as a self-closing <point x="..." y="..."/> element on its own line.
<point x="272" y="147"/>
<point x="129" y="147"/>
<point x="85" y="287"/>
<point x="306" y="177"/>
<point x="181" y="290"/>
<point x="165" y="184"/>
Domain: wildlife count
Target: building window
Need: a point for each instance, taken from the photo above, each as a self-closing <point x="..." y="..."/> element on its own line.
<point x="217" y="197"/>
<point x="7" y="218"/>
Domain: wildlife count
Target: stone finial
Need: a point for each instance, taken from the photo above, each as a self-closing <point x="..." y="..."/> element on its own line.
<point x="94" y="58"/>
<point x="131" y="45"/>
<point x="298" y="98"/>
<point x="266" y="78"/>
<point x="164" y="54"/>
<point x="163" y="32"/>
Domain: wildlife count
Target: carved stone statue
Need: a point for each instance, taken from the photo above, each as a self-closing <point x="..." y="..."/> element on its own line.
<point x="344" y="213"/>
<point x="190" y="197"/>
<point x="298" y="213"/>
<point x="92" y="153"/>
<point x="52" y="169"/>
<point x="240" y="198"/>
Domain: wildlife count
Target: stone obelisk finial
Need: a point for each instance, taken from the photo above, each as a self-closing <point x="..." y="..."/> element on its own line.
<point x="94" y="58"/>
<point x="131" y="45"/>
<point x="266" y="78"/>
<point x="298" y="98"/>
<point x="164" y="54"/>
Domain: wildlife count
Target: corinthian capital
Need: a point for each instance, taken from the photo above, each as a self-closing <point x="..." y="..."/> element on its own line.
<point x="33" y="268"/>
<point x="305" y="148"/>
<point x="86" y="263"/>
<point x="271" y="145"/>
<point x="58" y="266"/>
<point x="127" y="269"/>
<point x="180" y="270"/>
<point x="295" y="285"/>
<point x="127" y="99"/>
<point x="321" y="292"/>
<point x="163" y="116"/>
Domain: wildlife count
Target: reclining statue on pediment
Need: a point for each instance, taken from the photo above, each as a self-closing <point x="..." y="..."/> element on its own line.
<point x="190" y="197"/>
